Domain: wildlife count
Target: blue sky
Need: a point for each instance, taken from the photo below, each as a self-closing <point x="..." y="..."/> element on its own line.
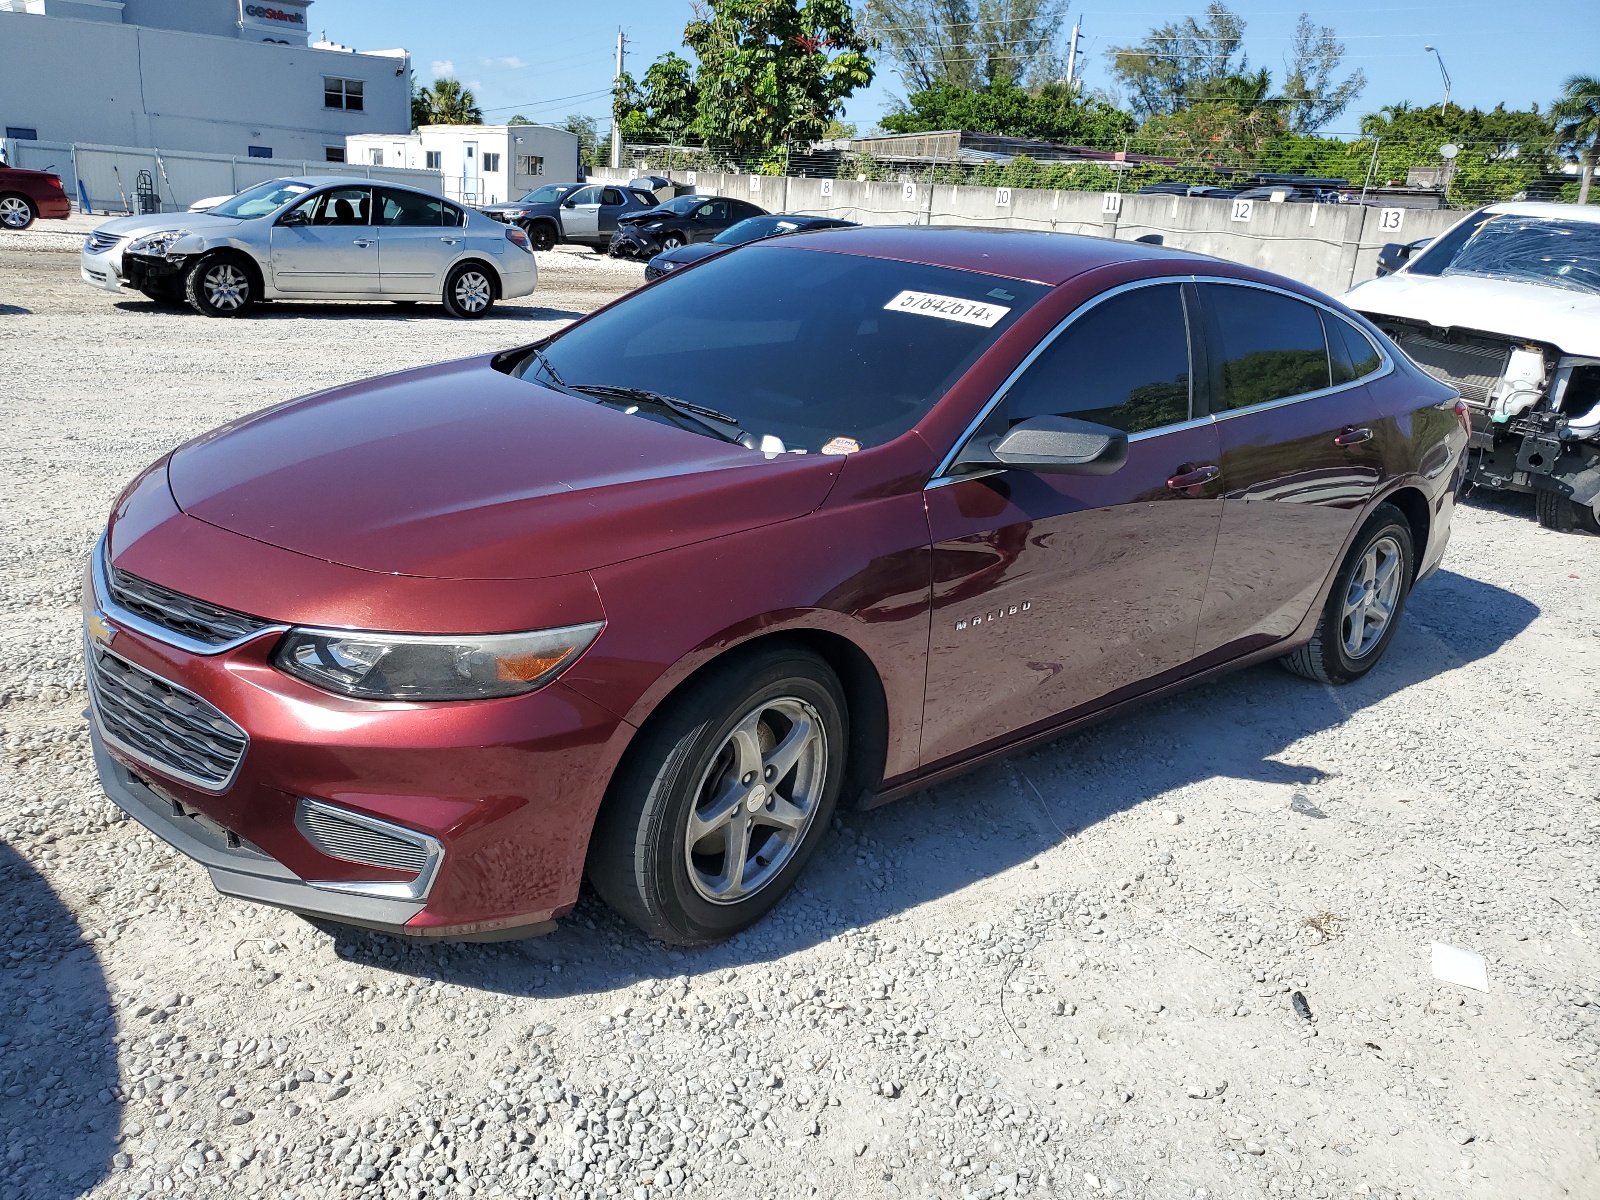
<point x="555" y="57"/>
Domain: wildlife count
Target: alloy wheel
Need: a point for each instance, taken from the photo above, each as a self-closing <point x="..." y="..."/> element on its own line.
<point x="15" y="213"/>
<point x="226" y="287"/>
<point x="473" y="292"/>
<point x="756" y="800"/>
<point x="1370" y="600"/>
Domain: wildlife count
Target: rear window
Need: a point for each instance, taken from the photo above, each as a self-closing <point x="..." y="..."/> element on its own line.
<point x="802" y="345"/>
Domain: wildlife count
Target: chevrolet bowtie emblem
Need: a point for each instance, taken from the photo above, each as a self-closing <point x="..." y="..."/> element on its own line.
<point x="101" y="630"/>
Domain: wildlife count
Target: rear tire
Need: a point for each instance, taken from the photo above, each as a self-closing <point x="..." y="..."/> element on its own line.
<point x="1557" y="512"/>
<point x="16" y="212"/>
<point x="1363" y="609"/>
<point x="722" y="801"/>
<point x="219" y="285"/>
<point x="469" y="291"/>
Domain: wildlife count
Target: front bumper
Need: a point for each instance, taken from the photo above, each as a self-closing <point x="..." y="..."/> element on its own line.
<point x="103" y="270"/>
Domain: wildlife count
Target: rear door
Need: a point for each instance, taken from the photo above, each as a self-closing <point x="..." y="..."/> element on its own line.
<point x="580" y="214"/>
<point x="335" y="251"/>
<point x="1054" y="593"/>
<point x="1302" y="455"/>
<point x="613" y="202"/>
<point x="419" y="237"/>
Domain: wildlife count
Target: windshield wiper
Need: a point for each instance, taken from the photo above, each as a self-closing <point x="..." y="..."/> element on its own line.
<point x="549" y="368"/>
<point x="718" y="424"/>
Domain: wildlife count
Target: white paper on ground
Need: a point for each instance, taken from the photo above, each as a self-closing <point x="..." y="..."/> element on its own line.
<point x="1460" y="966"/>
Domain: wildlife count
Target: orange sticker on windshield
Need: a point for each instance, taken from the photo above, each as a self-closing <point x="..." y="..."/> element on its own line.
<point x="841" y="445"/>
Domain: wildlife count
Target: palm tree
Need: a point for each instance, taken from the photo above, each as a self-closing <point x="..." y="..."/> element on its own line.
<point x="1379" y="122"/>
<point x="1577" y="118"/>
<point x="448" y="103"/>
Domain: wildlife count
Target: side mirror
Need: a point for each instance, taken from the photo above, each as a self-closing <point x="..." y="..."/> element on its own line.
<point x="1392" y="257"/>
<point x="569" y="204"/>
<point x="1050" y="445"/>
<point x="295" y="216"/>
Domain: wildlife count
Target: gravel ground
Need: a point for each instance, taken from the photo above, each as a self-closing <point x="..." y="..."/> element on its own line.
<point x="1071" y="974"/>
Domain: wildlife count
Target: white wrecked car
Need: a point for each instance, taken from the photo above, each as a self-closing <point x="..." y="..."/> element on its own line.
<point x="1505" y="307"/>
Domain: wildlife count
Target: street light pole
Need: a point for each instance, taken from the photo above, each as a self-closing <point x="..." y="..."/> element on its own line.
<point x="1446" y="75"/>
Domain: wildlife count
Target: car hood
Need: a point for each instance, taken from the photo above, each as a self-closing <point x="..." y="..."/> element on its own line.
<point x="461" y="472"/>
<point x="542" y="207"/>
<point x="200" y="222"/>
<point x="1560" y="316"/>
<point x="684" y="255"/>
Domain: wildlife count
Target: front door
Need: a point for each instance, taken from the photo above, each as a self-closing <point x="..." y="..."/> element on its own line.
<point x="326" y="244"/>
<point x="1057" y="592"/>
<point x="1298" y="463"/>
<point x="580" y="215"/>
<point x="420" y="239"/>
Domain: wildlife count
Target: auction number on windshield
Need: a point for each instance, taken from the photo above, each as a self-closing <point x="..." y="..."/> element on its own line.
<point x="949" y="308"/>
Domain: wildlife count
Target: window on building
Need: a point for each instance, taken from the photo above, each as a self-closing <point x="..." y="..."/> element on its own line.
<point x="343" y="93"/>
<point x="530" y="164"/>
<point x="260" y="151"/>
<point x="333" y="154"/>
<point x="22" y="133"/>
<point x="491" y="162"/>
<point x="375" y="157"/>
<point x="433" y="159"/>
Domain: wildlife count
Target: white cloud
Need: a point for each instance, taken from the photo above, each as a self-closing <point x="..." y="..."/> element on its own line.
<point x="510" y="61"/>
<point x="443" y="68"/>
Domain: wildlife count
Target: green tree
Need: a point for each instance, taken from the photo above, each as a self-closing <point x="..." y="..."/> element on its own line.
<point x="421" y="114"/>
<point x="1577" y="126"/>
<point x="961" y="44"/>
<point x="663" y="106"/>
<point x="446" y="102"/>
<point x="588" y="131"/>
<point x="1163" y="72"/>
<point x="1052" y="113"/>
<point x="774" y="72"/>
<point x="1228" y="121"/>
<point x="1313" y="97"/>
<point x="519" y="119"/>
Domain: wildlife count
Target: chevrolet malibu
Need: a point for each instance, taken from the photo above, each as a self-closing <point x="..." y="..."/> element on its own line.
<point x="817" y="521"/>
<point x="318" y="238"/>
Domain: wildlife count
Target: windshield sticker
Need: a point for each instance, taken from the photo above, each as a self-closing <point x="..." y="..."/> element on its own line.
<point x="949" y="308"/>
<point x="845" y="445"/>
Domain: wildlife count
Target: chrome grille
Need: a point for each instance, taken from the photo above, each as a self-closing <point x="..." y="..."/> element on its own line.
<point x="361" y="840"/>
<point x="99" y="243"/>
<point x="163" y="725"/>
<point x="172" y="610"/>
<point x="1471" y="370"/>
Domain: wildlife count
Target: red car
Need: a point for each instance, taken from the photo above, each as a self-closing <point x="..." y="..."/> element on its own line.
<point x="813" y="521"/>
<point x="27" y="195"/>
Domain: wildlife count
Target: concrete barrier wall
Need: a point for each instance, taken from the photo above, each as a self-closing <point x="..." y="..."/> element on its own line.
<point x="1328" y="246"/>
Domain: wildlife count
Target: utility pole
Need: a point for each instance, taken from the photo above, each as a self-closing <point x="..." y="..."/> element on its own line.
<point x="1446" y="75"/>
<point x="616" y="129"/>
<point x="1072" y="59"/>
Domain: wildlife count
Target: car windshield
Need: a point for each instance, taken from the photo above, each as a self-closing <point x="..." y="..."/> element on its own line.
<point x="752" y="228"/>
<point x="1543" y="250"/>
<point x="682" y="204"/>
<point x="548" y="194"/>
<point x="804" y="346"/>
<point x="260" y="200"/>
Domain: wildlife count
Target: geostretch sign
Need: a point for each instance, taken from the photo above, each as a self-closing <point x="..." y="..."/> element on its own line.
<point x="286" y="14"/>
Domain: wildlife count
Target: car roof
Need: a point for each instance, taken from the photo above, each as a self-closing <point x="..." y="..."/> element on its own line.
<point x="1024" y="254"/>
<point x="1539" y="208"/>
<point x="316" y="181"/>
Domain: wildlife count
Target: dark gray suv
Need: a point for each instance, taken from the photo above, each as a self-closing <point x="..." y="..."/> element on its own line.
<point x="571" y="212"/>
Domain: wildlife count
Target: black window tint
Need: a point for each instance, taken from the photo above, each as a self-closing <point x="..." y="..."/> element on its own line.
<point x="1350" y="354"/>
<point x="1124" y="363"/>
<point x="611" y="196"/>
<point x="1266" y="346"/>
<point x="409" y="208"/>
<point x="453" y="215"/>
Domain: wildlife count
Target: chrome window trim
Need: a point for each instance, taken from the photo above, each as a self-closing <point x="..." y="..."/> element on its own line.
<point x="126" y="619"/>
<point x="139" y="756"/>
<point x="394" y="889"/>
<point x="1386" y="367"/>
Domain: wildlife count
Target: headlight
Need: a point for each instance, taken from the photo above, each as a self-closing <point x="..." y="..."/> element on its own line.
<point x="668" y="266"/>
<point x="406" y="666"/>
<point x="656" y="225"/>
<point x="156" y="243"/>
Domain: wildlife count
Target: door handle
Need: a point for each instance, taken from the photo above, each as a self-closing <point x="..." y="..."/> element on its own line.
<point x="1351" y="436"/>
<point x="363" y="242"/>
<point x="1194" y="477"/>
<point x="449" y="241"/>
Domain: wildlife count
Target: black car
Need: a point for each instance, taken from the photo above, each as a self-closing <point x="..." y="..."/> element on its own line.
<point x="1205" y="190"/>
<point x="679" y="222"/>
<point x="751" y="229"/>
<point x="571" y="212"/>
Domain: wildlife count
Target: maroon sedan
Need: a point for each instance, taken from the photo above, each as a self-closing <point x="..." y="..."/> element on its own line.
<point x="27" y="195"/>
<point x="809" y="522"/>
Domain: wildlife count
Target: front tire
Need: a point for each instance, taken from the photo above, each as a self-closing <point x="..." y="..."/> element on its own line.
<point x="541" y="235"/>
<point x="469" y="291"/>
<point x="16" y="212"/>
<point x="1363" y="609"/>
<point x="219" y="285"/>
<point x="674" y="241"/>
<point x="1557" y="512"/>
<point x="719" y="807"/>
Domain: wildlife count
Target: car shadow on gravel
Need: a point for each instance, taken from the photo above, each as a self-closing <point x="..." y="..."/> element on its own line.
<point x="880" y="863"/>
<point x="285" y="310"/>
<point x="58" y="1122"/>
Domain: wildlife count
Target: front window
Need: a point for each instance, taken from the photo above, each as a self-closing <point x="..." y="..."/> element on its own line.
<point x="544" y="195"/>
<point x="588" y="195"/>
<point x="260" y="200"/>
<point x="339" y="206"/>
<point x="1556" y="252"/>
<point x="346" y="94"/>
<point x="802" y="346"/>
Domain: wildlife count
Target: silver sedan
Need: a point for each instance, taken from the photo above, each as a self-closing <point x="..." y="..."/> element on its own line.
<point x="315" y="238"/>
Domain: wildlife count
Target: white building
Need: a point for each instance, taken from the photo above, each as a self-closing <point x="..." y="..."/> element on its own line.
<point x="481" y="164"/>
<point x="229" y="77"/>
